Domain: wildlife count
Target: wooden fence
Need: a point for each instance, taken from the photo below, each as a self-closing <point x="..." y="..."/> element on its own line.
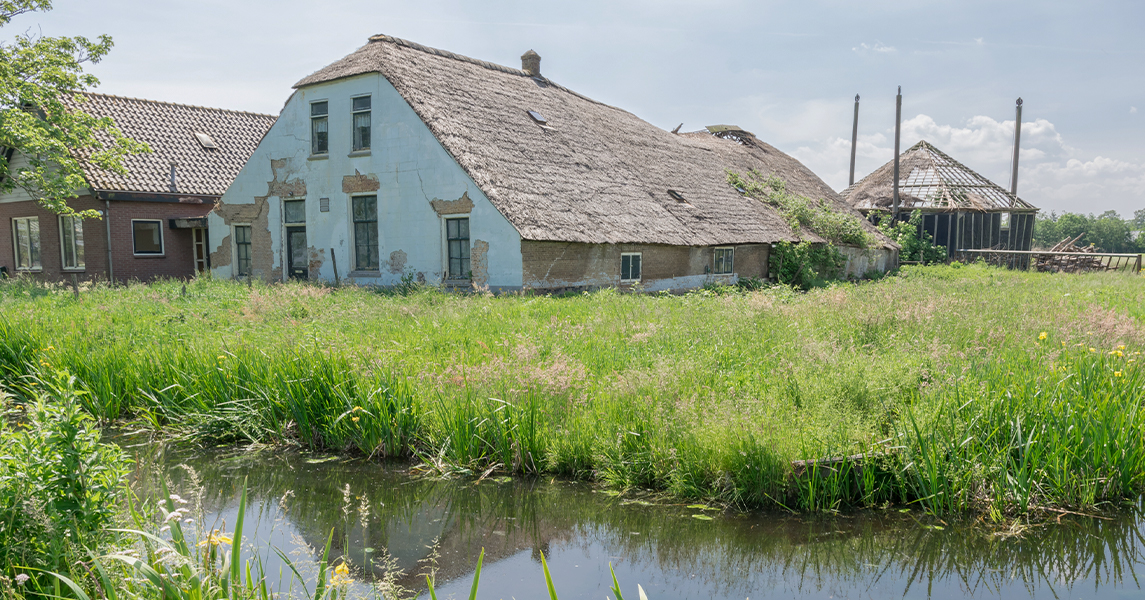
<point x="1067" y="262"/>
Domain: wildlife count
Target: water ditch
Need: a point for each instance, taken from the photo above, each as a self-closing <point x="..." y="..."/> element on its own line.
<point x="381" y="515"/>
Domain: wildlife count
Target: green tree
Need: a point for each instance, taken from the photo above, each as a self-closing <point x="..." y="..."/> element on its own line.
<point x="1139" y="219"/>
<point x="40" y="78"/>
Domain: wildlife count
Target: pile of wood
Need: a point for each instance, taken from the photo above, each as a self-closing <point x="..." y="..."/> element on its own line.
<point x="1071" y="263"/>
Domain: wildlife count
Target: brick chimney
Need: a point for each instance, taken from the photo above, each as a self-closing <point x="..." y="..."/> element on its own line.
<point x="531" y="63"/>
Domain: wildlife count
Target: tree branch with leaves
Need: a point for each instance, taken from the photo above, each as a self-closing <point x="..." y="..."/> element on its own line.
<point x="41" y="80"/>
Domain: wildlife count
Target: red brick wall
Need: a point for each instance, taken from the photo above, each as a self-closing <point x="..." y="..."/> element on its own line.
<point x="177" y="260"/>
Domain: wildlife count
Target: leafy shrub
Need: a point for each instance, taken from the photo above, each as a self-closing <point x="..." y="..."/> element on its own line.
<point x="915" y="247"/>
<point x="806" y="265"/>
<point x="59" y="485"/>
<point x="817" y="216"/>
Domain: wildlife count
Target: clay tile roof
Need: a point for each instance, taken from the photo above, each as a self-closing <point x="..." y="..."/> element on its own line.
<point x="931" y="181"/>
<point x="590" y="172"/>
<point x="170" y="131"/>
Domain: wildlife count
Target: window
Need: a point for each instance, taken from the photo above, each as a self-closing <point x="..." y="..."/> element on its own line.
<point x="457" y="240"/>
<point x="147" y="237"/>
<point x="26" y="235"/>
<point x="725" y="258"/>
<point x="361" y="112"/>
<point x="630" y="267"/>
<point x="319" y="128"/>
<point x="294" y="211"/>
<point x="71" y="242"/>
<point x="365" y="209"/>
<point x="242" y="250"/>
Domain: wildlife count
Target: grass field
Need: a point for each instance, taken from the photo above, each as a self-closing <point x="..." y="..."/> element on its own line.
<point x="964" y="388"/>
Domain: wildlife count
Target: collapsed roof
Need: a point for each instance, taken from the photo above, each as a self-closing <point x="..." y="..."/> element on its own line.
<point x="932" y="182"/>
<point x="563" y="167"/>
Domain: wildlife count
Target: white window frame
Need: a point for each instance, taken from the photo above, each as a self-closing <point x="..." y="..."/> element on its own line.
<point x="80" y="264"/>
<point x="313" y="117"/>
<point x="235" y="250"/>
<point x="16" y="246"/>
<point x="445" y="275"/>
<point x="162" y="239"/>
<point x="715" y="260"/>
<point x="354" y="130"/>
<point x="638" y="279"/>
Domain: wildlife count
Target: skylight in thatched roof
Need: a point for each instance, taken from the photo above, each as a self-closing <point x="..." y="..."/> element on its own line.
<point x="538" y="117"/>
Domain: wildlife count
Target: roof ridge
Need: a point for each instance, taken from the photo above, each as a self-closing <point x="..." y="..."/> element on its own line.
<point x="211" y="108"/>
<point x="381" y="37"/>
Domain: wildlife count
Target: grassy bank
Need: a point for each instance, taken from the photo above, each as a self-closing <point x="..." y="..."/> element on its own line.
<point x="941" y="376"/>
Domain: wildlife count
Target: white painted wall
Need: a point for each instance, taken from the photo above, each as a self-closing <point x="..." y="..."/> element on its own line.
<point x="412" y="169"/>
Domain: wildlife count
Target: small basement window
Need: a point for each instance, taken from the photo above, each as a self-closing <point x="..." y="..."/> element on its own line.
<point x="147" y="237"/>
<point x="538" y="117"/>
<point x="724" y="261"/>
<point x="206" y="141"/>
<point x="630" y="267"/>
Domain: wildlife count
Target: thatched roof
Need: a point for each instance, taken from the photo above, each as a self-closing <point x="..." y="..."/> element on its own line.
<point x="170" y="129"/>
<point x="590" y="172"/>
<point x="931" y="182"/>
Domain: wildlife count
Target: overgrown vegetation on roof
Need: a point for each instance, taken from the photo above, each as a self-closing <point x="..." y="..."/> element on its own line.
<point x="801" y="212"/>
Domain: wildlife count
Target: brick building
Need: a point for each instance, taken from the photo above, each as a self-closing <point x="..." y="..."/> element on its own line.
<point x="154" y="217"/>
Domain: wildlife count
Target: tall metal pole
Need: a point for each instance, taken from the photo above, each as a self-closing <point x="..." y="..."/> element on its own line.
<point x="854" y="140"/>
<point x="898" y="127"/>
<point x="1017" y="146"/>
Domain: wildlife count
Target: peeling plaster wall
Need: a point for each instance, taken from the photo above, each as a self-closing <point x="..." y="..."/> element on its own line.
<point x="860" y="260"/>
<point x="416" y="181"/>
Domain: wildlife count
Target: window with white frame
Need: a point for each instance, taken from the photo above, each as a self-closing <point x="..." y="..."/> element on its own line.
<point x="365" y="213"/>
<point x="724" y="261"/>
<point x="242" y="250"/>
<point x="319" y="127"/>
<point x="361" y="116"/>
<point x="147" y="237"/>
<point x="457" y="247"/>
<point x="630" y="267"/>
<point x="26" y="238"/>
<point x="71" y="242"/>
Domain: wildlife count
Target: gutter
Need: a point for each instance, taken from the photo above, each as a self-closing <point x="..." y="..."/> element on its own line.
<point x="107" y="227"/>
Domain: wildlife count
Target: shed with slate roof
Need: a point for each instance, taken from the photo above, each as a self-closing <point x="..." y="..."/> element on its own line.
<point x="401" y="160"/>
<point x="154" y="216"/>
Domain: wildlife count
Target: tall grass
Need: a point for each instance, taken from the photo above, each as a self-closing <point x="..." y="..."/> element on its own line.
<point x="935" y="382"/>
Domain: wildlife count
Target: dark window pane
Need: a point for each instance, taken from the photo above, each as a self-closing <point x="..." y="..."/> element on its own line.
<point x="362" y="103"/>
<point x="365" y="213"/>
<point x="148" y="237"/>
<point x="294" y="211"/>
<point x="318" y="108"/>
<point x="457" y="234"/>
<point x="242" y="250"/>
<point x="361" y="131"/>
<point x="319" y="135"/>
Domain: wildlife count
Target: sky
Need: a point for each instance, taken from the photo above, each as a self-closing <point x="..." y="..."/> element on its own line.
<point x="786" y="71"/>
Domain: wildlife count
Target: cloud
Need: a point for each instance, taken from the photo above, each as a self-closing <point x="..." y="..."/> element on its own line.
<point x="878" y="47"/>
<point x="1052" y="175"/>
<point x="1132" y="110"/>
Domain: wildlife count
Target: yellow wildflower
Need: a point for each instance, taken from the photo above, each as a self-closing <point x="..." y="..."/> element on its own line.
<point x="215" y="538"/>
<point x="221" y="357"/>
<point x="1117" y="373"/>
<point x="342" y="569"/>
<point x="50" y="348"/>
<point x="1043" y="335"/>
<point x="1093" y="349"/>
<point x="354" y="419"/>
<point x="1121" y="347"/>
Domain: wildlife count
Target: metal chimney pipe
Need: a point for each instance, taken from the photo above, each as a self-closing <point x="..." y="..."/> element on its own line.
<point x="898" y="128"/>
<point x="1017" y="146"/>
<point x="854" y="141"/>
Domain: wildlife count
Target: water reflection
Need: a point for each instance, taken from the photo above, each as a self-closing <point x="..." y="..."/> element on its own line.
<point x="421" y="525"/>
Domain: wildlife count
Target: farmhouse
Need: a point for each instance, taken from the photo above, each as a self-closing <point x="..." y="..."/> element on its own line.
<point x="960" y="209"/>
<point x="154" y="217"/>
<point x="401" y="160"/>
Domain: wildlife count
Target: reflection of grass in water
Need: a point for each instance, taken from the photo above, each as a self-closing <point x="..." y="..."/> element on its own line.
<point x="938" y="373"/>
<point x="727" y="554"/>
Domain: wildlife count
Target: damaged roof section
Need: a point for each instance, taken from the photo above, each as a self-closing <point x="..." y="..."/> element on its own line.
<point x="934" y="182"/>
<point x="209" y="146"/>
<point x="602" y="175"/>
